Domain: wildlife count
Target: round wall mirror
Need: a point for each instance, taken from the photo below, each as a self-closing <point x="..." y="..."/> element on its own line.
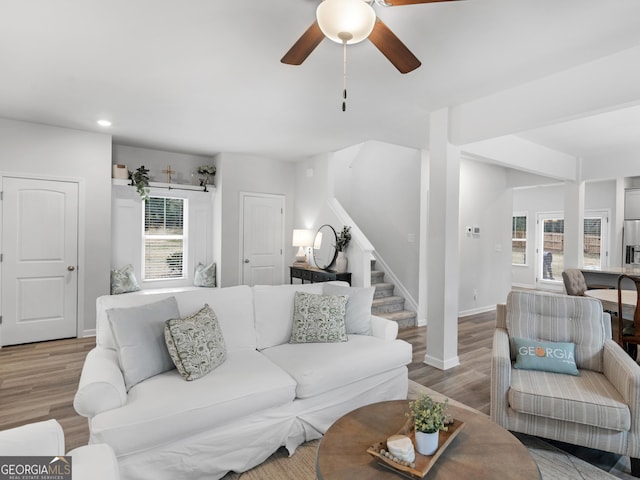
<point x="324" y="247"/>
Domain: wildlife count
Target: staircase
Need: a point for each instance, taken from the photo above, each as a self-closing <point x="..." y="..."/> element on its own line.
<point x="386" y="304"/>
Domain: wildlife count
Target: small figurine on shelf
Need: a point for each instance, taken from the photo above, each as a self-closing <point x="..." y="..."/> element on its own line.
<point x="205" y="171"/>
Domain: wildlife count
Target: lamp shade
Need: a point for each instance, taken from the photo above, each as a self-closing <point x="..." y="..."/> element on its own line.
<point x="349" y="21"/>
<point x="302" y="238"/>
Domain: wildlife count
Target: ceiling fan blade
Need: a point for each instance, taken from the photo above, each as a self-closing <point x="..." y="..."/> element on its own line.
<point x="393" y="48"/>
<point x="398" y="3"/>
<point x="300" y="50"/>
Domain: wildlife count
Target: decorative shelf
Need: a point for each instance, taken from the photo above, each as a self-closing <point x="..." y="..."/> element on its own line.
<point x="168" y="186"/>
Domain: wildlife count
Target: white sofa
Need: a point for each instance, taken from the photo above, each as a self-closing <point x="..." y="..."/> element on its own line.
<point x="46" y="438"/>
<point x="268" y="393"/>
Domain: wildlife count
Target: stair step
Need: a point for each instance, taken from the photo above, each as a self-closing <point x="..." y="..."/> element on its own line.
<point x="404" y="318"/>
<point x="390" y="304"/>
<point x="377" y="276"/>
<point x="383" y="290"/>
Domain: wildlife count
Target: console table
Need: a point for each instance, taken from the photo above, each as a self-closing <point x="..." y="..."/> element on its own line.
<point x="315" y="275"/>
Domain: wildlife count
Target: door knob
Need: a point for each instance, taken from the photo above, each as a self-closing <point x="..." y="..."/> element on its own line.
<point x="71" y="268"/>
<point x="246" y="260"/>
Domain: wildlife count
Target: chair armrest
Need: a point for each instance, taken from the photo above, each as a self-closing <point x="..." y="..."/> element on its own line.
<point x="33" y="439"/>
<point x="623" y="373"/>
<point x="101" y="386"/>
<point x="383" y="328"/>
<point x="500" y="377"/>
<point x="94" y="462"/>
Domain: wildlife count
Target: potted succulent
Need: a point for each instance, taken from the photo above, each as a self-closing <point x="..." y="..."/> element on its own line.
<point x="428" y="418"/>
<point x="342" y="242"/>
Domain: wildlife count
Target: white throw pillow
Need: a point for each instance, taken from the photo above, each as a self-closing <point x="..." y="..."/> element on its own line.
<point x="358" y="316"/>
<point x="139" y="337"/>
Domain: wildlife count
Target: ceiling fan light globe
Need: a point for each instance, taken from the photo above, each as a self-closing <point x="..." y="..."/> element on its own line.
<point x="346" y="21"/>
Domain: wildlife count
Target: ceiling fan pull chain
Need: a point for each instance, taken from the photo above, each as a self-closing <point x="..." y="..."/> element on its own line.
<point x="344" y="77"/>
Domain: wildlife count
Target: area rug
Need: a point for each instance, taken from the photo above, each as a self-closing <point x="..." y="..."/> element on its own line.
<point x="553" y="462"/>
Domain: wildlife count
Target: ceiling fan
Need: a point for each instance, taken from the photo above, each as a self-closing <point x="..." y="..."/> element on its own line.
<point x="352" y="21"/>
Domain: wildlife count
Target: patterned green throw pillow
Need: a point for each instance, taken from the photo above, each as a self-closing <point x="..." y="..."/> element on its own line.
<point x="205" y="275"/>
<point x="319" y="318"/>
<point x="195" y="343"/>
<point x="123" y="280"/>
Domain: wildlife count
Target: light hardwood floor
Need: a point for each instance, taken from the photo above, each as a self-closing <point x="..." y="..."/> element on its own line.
<point x="38" y="381"/>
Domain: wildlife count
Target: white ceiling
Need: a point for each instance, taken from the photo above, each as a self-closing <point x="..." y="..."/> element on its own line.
<point x="204" y="76"/>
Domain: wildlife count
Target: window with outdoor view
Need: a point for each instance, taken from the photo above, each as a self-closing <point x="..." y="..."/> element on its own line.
<point x="164" y="247"/>
<point x="519" y="240"/>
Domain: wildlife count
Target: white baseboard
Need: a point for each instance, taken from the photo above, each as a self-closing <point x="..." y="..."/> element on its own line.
<point x="474" y="311"/>
<point x="88" y="333"/>
<point x="442" y="364"/>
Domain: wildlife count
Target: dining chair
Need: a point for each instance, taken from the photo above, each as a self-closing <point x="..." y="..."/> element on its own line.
<point x="629" y="328"/>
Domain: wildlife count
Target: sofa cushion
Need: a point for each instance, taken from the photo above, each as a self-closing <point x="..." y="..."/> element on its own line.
<point x="589" y="399"/>
<point x="358" y="315"/>
<point x="123" y="280"/>
<point x="556" y="357"/>
<point x="318" y="318"/>
<point x="205" y="275"/>
<point x="233" y="307"/>
<point x="245" y="383"/>
<point x="559" y="318"/>
<point x="139" y="337"/>
<point x="320" y="367"/>
<point x="274" y="311"/>
<point x="195" y="343"/>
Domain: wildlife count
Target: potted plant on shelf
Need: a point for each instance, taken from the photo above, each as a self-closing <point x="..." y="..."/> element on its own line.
<point x="205" y="171"/>
<point x="342" y="242"/>
<point x="140" y="179"/>
<point x="428" y="418"/>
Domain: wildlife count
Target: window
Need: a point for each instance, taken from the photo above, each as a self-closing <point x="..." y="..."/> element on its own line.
<point x="519" y="240"/>
<point x="164" y="246"/>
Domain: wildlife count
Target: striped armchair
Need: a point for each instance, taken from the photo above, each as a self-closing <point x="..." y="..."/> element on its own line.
<point x="599" y="408"/>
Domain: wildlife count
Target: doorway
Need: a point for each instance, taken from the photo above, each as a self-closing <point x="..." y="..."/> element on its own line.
<point x="39" y="262"/>
<point x="262" y="239"/>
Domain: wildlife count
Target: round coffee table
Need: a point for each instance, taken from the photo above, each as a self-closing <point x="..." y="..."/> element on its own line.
<point x="481" y="450"/>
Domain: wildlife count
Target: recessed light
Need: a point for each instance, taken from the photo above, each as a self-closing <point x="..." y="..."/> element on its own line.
<point x="104" y="123"/>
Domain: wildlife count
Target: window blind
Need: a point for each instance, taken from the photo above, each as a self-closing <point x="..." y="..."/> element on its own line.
<point x="164" y="239"/>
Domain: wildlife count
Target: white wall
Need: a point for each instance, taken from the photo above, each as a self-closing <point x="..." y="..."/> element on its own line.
<point x="485" y="259"/>
<point x="382" y="197"/>
<point x="238" y="173"/>
<point x="52" y="152"/>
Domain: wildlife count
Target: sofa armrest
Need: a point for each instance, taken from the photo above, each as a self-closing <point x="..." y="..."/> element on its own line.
<point x="94" y="462"/>
<point x="33" y="439"/>
<point x="101" y="386"/>
<point x="500" y="377"/>
<point x="383" y="328"/>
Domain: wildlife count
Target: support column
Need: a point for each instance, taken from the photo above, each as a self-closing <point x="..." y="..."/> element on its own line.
<point x="443" y="245"/>
<point x="423" y="266"/>
<point x="574" y="224"/>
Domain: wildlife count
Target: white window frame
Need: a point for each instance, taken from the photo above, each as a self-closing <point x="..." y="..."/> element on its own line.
<point x="184" y="237"/>
<point x="525" y="239"/>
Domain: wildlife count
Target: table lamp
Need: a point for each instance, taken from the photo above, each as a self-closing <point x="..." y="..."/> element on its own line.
<point x="302" y="238"/>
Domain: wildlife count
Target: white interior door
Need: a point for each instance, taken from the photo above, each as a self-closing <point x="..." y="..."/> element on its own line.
<point x="40" y="255"/>
<point x="262" y="239"/>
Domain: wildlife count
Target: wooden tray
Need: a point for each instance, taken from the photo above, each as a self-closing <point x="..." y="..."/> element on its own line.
<point x="423" y="463"/>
